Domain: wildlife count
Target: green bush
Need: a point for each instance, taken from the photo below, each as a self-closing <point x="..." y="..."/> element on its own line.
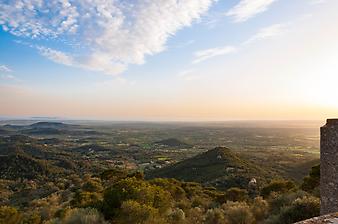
<point x="301" y="209"/>
<point x="84" y="199"/>
<point x="83" y="216"/>
<point x="238" y="213"/>
<point x="278" y="186"/>
<point x="215" y="216"/>
<point x="278" y="201"/>
<point x="236" y="194"/>
<point x="9" y="215"/>
<point x="134" y="212"/>
<point x="195" y="215"/>
<point x="177" y="216"/>
<point x="137" y="190"/>
<point x="260" y="208"/>
<point x="171" y="185"/>
<point x="114" y="175"/>
<point x="92" y="185"/>
<point x="311" y="182"/>
<point x="33" y="218"/>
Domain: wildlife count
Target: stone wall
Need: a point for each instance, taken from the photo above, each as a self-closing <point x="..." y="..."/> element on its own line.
<point x="329" y="167"/>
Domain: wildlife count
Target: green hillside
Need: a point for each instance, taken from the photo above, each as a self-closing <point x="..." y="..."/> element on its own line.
<point x="172" y="142"/>
<point x="218" y="167"/>
<point x="20" y="166"/>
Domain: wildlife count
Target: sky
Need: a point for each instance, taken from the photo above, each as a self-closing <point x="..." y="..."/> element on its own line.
<point x="169" y="60"/>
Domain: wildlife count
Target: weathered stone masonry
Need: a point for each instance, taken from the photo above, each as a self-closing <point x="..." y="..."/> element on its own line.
<point x="329" y="167"/>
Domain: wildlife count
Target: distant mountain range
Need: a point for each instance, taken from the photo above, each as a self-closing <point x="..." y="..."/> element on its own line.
<point x="39" y="128"/>
<point x="45" y="124"/>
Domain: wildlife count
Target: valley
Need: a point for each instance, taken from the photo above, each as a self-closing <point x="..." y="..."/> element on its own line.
<point x="51" y="163"/>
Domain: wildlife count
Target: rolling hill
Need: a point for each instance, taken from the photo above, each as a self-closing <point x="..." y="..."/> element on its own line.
<point x="218" y="167"/>
<point x="172" y="142"/>
<point x="44" y="124"/>
<point x="21" y="166"/>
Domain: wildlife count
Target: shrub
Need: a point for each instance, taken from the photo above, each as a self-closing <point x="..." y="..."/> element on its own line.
<point x="278" y="201"/>
<point x="311" y="182"/>
<point x="200" y="201"/>
<point x="9" y="215"/>
<point x="171" y="185"/>
<point x="259" y="208"/>
<point x="177" y="216"/>
<point x="92" y="185"/>
<point x="83" y="216"/>
<point x="300" y="209"/>
<point x="236" y="194"/>
<point x="113" y="175"/>
<point x="137" y="190"/>
<point x="278" y="186"/>
<point x="195" y="215"/>
<point x="33" y="218"/>
<point x="86" y="199"/>
<point x="134" y="212"/>
<point x="215" y="216"/>
<point x="238" y="213"/>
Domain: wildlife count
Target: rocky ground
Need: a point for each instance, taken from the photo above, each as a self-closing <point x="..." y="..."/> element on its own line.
<point x="326" y="219"/>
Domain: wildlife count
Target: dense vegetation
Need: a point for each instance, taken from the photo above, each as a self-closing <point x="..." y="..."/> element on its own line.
<point x="121" y="197"/>
<point x="81" y="179"/>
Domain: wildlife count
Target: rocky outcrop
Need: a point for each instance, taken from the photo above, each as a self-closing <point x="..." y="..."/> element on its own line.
<point x="326" y="219"/>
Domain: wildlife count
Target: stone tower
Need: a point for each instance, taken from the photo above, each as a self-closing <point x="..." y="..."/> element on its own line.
<point x="329" y="167"/>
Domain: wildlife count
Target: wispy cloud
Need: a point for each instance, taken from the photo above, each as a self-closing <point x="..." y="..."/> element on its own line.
<point x="317" y="2"/>
<point x="111" y="34"/>
<point x="247" y="9"/>
<point x="5" y="73"/>
<point x="4" y="68"/>
<point x="212" y="52"/>
<point x="56" y="56"/>
<point x="7" y="77"/>
<point x="188" y="75"/>
<point x="267" y="33"/>
<point x="262" y="34"/>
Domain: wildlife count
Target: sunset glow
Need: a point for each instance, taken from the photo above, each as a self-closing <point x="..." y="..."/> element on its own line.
<point x="206" y="60"/>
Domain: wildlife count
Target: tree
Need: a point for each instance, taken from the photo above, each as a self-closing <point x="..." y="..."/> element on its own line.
<point x="312" y="181"/>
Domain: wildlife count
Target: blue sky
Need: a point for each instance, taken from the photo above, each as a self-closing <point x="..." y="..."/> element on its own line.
<point x="168" y="60"/>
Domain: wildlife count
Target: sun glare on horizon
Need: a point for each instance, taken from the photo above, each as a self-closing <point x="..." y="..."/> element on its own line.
<point x="192" y="59"/>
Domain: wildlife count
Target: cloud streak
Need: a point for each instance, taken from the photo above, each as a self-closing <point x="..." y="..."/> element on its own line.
<point x="188" y="75"/>
<point x="105" y="36"/>
<point x="267" y="33"/>
<point x="264" y="33"/>
<point x="4" y="68"/>
<point x="206" y="54"/>
<point x="247" y="9"/>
